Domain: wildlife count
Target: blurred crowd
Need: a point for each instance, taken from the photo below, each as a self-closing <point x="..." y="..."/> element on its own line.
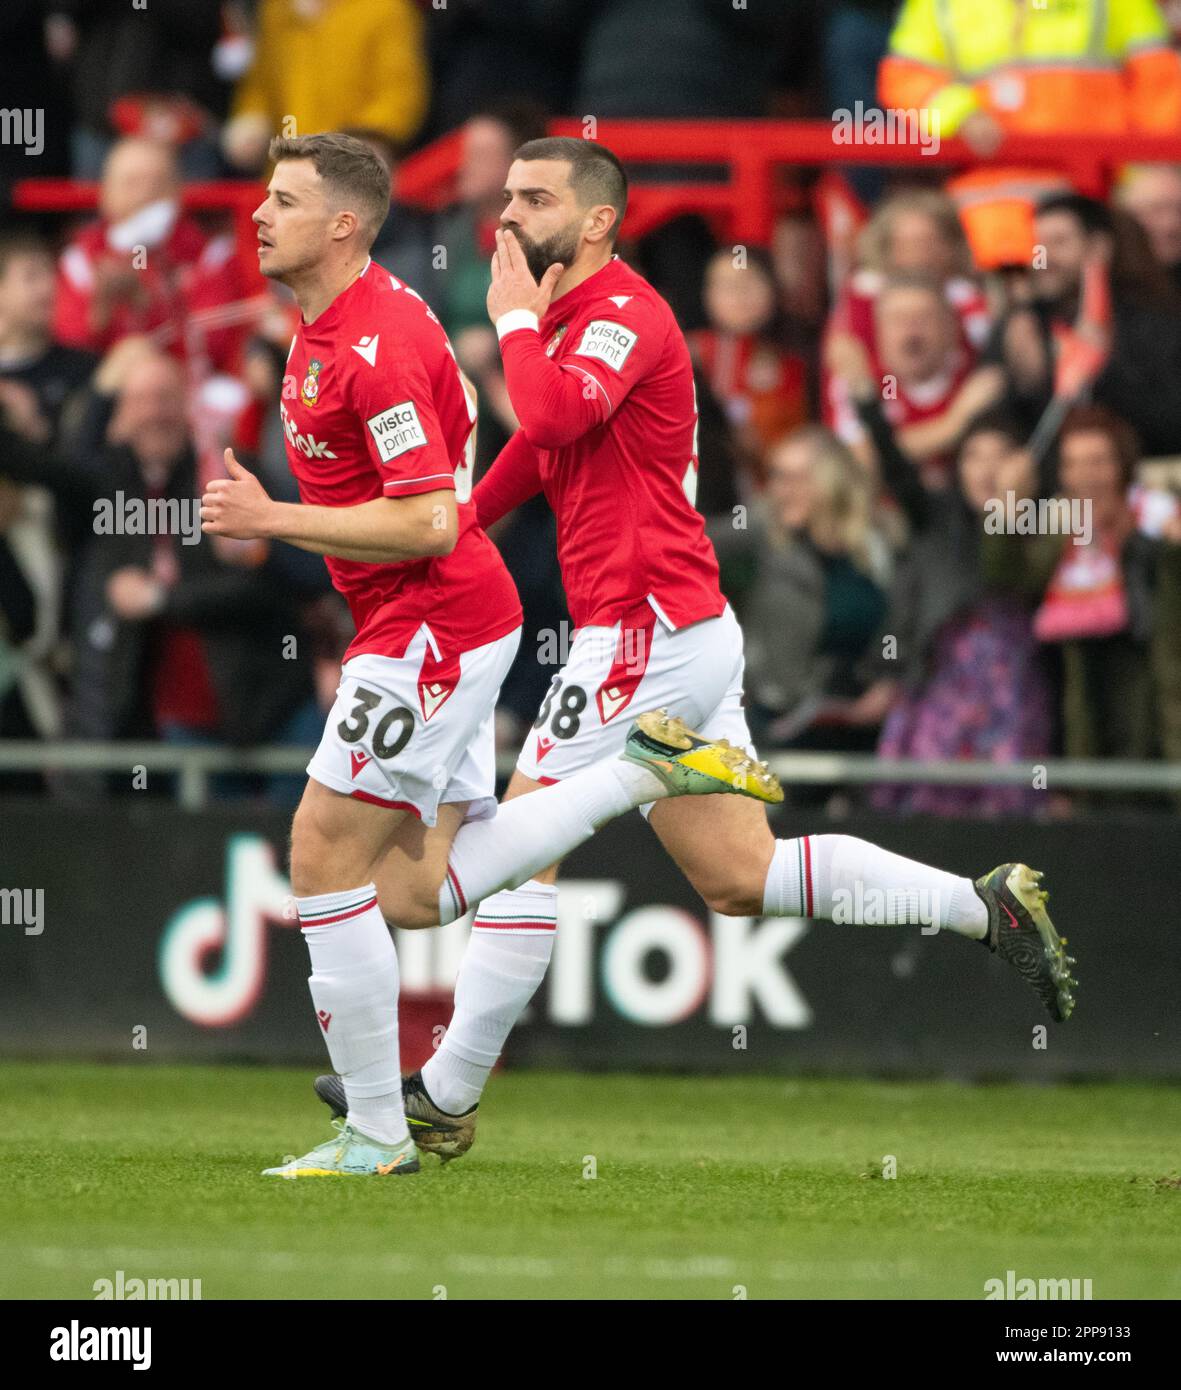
<point x="904" y="355"/>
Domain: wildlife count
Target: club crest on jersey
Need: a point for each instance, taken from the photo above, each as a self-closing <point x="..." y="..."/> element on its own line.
<point x="309" y="392"/>
<point x="432" y="696"/>
<point x="558" y="334"/>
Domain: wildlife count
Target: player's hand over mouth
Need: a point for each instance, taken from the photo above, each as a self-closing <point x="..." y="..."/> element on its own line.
<point x="513" y="285"/>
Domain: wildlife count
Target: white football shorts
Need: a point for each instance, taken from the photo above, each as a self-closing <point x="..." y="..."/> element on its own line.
<point x="413" y="732"/>
<point x="615" y="673"/>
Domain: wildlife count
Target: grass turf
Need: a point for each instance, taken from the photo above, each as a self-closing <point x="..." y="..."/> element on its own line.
<point x="702" y="1185"/>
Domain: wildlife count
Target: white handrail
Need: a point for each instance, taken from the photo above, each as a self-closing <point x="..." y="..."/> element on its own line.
<point x="195" y="765"/>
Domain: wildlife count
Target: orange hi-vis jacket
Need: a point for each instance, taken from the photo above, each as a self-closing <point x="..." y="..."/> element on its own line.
<point x="1086" y="67"/>
<point x="1057" y="67"/>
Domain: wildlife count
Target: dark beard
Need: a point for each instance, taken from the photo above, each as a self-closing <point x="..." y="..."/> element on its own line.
<point x="540" y="255"/>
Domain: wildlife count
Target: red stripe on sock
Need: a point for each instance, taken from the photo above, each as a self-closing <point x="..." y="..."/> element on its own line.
<point x="459" y="898"/>
<point x="500" y="926"/>
<point x="808" y="871"/>
<point x="342" y="916"/>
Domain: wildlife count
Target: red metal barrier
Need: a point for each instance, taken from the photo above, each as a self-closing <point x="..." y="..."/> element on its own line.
<point x="239" y="199"/>
<point x="741" y="204"/>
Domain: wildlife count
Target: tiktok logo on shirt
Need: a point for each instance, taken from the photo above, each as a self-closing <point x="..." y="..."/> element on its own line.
<point x="307" y="444"/>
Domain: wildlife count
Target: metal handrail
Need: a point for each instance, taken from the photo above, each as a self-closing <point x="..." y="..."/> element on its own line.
<point x="195" y="765"/>
<point x="747" y="152"/>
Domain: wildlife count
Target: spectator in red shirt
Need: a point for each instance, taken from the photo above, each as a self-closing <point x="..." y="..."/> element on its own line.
<point x="914" y="232"/>
<point x="762" y="387"/>
<point x="928" y="387"/>
<point x="144" y="267"/>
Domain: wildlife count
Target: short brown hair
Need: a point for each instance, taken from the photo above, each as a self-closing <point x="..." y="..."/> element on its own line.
<point x="873" y="244"/>
<point x="355" y="172"/>
<point x="1097" y="419"/>
<point x="596" y="175"/>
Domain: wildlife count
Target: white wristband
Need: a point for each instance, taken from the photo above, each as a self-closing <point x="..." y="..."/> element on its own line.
<point x="514" y="319"/>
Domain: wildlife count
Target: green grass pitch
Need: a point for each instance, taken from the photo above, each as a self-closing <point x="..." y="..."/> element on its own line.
<point x="704" y="1189"/>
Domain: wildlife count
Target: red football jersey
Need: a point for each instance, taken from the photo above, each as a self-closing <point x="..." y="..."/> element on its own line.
<point x="373" y="405"/>
<point x="181" y="281"/>
<point x="604" y="392"/>
<point x="907" y="407"/>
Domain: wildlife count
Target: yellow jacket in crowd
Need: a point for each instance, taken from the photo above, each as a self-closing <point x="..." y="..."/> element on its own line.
<point x="336" y="63"/>
<point x="1085" y="66"/>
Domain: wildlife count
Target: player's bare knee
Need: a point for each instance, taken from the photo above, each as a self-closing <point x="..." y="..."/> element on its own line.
<point x="736" y="893"/>
<point x="413" y="912"/>
<point x="732" y="900"/>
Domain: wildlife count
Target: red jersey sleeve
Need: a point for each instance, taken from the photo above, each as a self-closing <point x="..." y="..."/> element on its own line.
<point x="617" y="348"/>
<point x="559" y="401"/>
<point x="513" y="478"/>
<point x="402" y="431"/>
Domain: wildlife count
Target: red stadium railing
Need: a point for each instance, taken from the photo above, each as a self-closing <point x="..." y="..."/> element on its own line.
<point x="741" y="201"/>
<point x="239" y="199"/>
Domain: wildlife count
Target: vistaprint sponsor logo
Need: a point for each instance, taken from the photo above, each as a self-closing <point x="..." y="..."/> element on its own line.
<point x="873" y="125"/>
<point x="23" y="907"/>
<point x="306" y="444"/>
<point x="1010" y="515"/>
<point x="887" y="907"/>
<point x="396" y="430"/>
<point x="609" y="342"/>
<point x="79" y="1343"/>
<point x="132" y="1290"/>
<point x="23" y="126"/>
<point x="148" y="516"/>
<point x="1056" y="1290"/>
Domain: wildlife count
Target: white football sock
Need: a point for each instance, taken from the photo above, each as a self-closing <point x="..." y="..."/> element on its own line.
<point x="506" y="958"/>
<point x="531" y="832"/>
<point x="354" y="985"/>
<point x="844" y="879"/>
